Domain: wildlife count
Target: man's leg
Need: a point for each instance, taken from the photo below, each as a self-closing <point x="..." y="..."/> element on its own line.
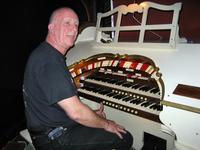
<point x="85" y="138"/>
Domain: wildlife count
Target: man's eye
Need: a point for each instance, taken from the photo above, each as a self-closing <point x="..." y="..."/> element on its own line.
<point x="76" y="25"/>
<point x="68" y="23"/>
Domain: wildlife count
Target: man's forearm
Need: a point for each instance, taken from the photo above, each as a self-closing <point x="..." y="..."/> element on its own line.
<point x="87" y="117"/>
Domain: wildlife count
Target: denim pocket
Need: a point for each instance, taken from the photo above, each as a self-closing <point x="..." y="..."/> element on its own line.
<point x="62" y="139"/>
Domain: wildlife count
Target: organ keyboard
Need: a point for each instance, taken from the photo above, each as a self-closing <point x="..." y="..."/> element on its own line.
<point x="126" y="83"/>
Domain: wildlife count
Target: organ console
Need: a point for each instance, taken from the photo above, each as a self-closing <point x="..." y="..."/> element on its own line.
<point x="127" y="83"/>
<point x="130" y="84"/>
<point x="151" y="88"/>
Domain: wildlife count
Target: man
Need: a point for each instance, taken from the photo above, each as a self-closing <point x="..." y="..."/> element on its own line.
<point x="56" y="118"/>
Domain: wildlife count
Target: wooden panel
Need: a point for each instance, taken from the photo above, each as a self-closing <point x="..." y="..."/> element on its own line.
<point x="188" y="91"/>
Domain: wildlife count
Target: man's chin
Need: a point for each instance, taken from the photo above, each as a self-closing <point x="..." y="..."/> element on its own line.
<point x="69" y="45"/>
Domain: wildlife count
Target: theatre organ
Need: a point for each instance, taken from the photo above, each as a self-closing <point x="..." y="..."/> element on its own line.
<point x="127" y="83"/>
<point x="150" y="88"/>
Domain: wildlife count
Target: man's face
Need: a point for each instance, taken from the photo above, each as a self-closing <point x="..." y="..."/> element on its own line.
<point x="65" y="29"/>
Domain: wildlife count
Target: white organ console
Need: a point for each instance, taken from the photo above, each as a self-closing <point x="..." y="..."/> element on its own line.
<point x="152" y="89"/>
<point x="128" y="83"/>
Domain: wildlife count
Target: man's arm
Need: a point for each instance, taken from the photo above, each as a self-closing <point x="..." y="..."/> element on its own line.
<point x="84" y="115"/>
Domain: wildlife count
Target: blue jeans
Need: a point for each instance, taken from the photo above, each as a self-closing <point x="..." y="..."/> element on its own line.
<point x="84" y="138"/>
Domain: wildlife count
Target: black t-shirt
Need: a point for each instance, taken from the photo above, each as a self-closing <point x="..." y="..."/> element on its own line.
<point x="47" y="81"/>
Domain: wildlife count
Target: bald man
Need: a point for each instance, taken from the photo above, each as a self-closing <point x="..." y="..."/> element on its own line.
<point x="56" y="118"/>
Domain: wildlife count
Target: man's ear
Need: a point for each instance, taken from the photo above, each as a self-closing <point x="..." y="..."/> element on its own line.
<point x="50" y="26"/>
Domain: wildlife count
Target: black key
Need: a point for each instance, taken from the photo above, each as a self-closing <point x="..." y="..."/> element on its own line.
<point x="146" y="104"/>
<point x="153" y="106"/>
<point x="155" y="90"/>
<point x="136" y="86"/>
<point x="120" y="82"/>
<point x="119" y="96"/>
<point x="145" y="88"/>
<point x="127" y="84"/>
<point x="139" y="101"/>
<point x="126" y="99"/>
<point x="135" y="100"/>
<point x="104" y="92"/>
<point x="112" y="81"/>
<point x="111" y="94"/>
<point x="97" y="89"/>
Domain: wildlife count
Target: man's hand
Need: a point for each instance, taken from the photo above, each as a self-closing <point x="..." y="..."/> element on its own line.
<point x="100" y="111"/>
<point x="111" y="125"/>
<point x="115" y="128"/>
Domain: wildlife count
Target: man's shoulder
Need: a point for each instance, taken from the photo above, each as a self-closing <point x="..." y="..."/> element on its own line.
<point x="42" y="50"/>
<point x="44" y="54"/>
<point x="38" y="55"/>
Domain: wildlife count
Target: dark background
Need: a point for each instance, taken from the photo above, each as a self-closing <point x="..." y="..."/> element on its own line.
<point x="24" y="26"/>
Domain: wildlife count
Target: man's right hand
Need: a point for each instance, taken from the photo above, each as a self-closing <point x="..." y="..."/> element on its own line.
<point x="115" y="128"/>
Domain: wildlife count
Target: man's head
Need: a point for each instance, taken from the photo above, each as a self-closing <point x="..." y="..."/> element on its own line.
<point x="62" y="29"/>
